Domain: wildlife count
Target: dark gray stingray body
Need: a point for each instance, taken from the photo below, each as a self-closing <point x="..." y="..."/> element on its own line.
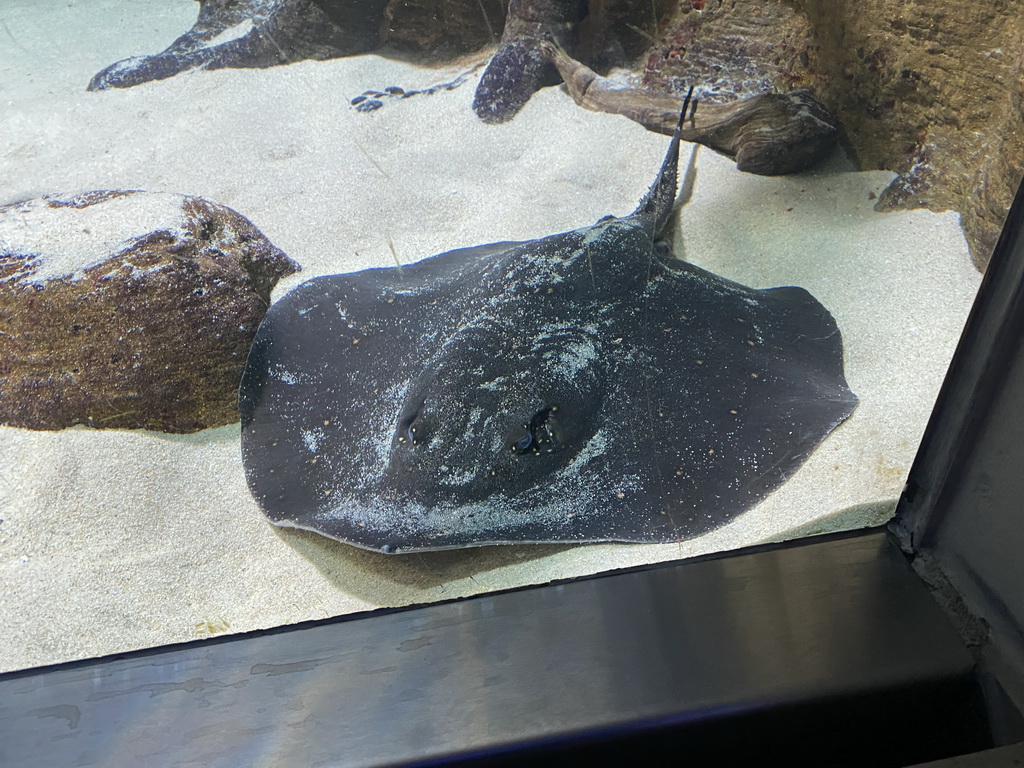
<point x="581" y="387"/>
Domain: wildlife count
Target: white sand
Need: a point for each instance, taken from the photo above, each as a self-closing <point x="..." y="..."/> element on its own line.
<point x="111" y="541"/>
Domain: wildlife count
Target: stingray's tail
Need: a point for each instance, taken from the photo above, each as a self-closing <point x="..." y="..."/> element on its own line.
<point x="656" y="206"/>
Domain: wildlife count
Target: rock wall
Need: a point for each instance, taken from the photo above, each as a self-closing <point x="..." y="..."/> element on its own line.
<point x="931" y="89"/>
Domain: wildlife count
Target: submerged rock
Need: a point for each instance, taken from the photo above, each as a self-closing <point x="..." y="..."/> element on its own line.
<point x="266" y="33"/>
<point x="255" y="33"/>
<point x="518" y="68"/>
<point x="126" y="309"/>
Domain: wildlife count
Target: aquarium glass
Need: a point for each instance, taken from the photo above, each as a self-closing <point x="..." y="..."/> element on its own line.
<point x="748" y="357"/>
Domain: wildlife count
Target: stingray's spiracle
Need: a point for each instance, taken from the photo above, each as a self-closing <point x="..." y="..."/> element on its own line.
<point x="540" y="435"/>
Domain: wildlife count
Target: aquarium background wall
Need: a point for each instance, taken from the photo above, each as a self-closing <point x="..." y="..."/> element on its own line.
<point x="125" y="517"/>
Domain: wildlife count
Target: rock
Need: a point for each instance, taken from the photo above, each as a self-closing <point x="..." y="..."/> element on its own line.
<point x="728" y="50"/>
<point x="439" y="30"/>
<point x="265" y="33"/>
<point x="518" y="68"/>
<point x="934" y="90"/>
<point x="255" y="33"/>
<point x="131" y="310"/>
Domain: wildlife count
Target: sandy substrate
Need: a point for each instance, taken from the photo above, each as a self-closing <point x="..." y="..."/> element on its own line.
<point x="112" y="541"/>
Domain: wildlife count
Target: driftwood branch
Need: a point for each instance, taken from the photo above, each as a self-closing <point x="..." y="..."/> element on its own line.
<point x="768" y="134"/>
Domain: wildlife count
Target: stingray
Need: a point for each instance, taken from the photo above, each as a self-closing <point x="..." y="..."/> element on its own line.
<point x="582" y="387"/>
